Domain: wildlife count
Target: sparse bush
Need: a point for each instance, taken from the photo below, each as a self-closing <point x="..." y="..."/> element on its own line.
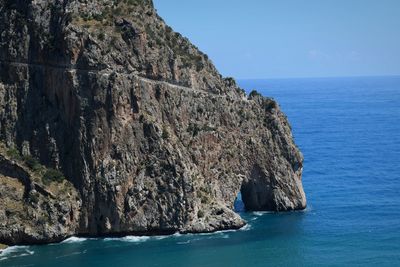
<point x="34" y="198"/>
<point x="199" y="65"/>
<point x="200" y="214"/>
<point x="86" y="17"/>
<point x="159" y="42"/>
<point x="241" y="113"/>
<point x="52" y="175"/>
<point x="41" y="221"/>
<point x="269" y="104"/>
<point x="249" y="142"/>
<point x="114" y="40"/>
<point x="132" y="2"/>
<point x="99" y="17"/>
<point x="165" y="134"/>
<point x="14" y="154"/>
<point x="241" y="91"/>
<point x="32" y="163"/>
<point x="230" y="81"/>
<point x="168" y="29"/>
<point x="207" y="128"/>
<point x="101" y="36"/>
<point x="118" y="11"/>
<point x="193" y="129"/>
<point x="204" y="199"/>
<point x="254" y="93"/>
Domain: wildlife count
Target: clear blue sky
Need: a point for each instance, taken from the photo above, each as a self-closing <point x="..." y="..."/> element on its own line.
<point x="291" y="38"/>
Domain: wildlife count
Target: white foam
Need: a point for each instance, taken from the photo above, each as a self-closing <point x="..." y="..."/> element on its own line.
<point x="135" y="238"/>
<point x="202" y="236"/>
<point x="183" y="242"/>
<point x="307" y="209"/>
<point x="213" y="234"/>
<point x="160" y="237"/>
<point x="139" y="239"/>
<point x="132" y="238"/>
<point x="71" y="254"/>
<point x="12" y="249"/>
<point x="247" y="227"/>
<point x="15" y="251"/>
<point x="74" y="239"/>
<point x="261" y="213"/>
<point x="177" y="234"/>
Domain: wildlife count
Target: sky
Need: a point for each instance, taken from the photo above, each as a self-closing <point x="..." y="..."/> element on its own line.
<point x="258" y="39"/>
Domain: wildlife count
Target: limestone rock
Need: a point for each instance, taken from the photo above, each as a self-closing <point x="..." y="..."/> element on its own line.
<point x="152" y="137"/>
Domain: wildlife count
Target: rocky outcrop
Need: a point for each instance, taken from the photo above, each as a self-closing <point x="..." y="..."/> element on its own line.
<point x="34" y="210"/>
<point x="152" y="137"/>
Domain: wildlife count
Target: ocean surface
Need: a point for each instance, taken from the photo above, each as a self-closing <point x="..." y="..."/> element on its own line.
<point x="349" y="132"/>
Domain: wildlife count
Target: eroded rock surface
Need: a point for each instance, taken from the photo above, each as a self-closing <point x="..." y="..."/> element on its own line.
<point x="152" y="137"/>
<point x="31" y="211"/>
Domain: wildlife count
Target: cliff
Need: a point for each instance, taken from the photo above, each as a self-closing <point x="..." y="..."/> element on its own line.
<point x="112" y="123"/>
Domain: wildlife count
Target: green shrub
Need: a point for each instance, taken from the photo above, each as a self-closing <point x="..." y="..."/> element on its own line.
<point x="133" y="2"/>
<point x="32" y="163"/>
<point x="207" y="128"/>
<point x="254" y="93"/>
<point x="118" y="11"/>
<point x="249" y="142"/>
<point x="241" y="113"/>
<point x="269" y="104"/>
<point x="13" y="153"/>
<point x="168" y="29"/>
<point x="165" y="134"/>
<point x="199" y="65"/>
<point x="159" y="42"/>
<point x="241" y="91"/>
<point x="101" y="36"/>
<point x="34" y="198"/>
<point x="99" y="17"/>
<point x="86" y="17"/>
<point x="200" y="214"/>
<point x="52" y="175"/>
<point x="204" y="199"/>
<point x="41" y="221"/>
<point x="193" y="129"/>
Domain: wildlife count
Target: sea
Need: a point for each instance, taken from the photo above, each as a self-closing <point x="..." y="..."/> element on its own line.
<point x="349" y="132"/>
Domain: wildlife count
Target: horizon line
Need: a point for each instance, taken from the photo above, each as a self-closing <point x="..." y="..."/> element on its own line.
<point x="320" y="77"/>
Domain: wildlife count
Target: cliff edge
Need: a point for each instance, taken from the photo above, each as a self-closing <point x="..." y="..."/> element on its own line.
<point x="111" y="123"/>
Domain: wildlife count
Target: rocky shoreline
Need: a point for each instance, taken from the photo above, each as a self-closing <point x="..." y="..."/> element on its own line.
<point x="3" y="247"/>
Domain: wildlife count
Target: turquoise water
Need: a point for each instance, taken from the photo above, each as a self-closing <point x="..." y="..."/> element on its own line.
<point x="349" y="132"/>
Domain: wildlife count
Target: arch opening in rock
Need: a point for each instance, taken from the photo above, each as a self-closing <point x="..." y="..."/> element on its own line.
<point x="257" y="191"/>
<point x="238" y="205"/>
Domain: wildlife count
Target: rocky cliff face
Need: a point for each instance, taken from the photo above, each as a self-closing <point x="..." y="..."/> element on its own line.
<point x="150" y="137"/>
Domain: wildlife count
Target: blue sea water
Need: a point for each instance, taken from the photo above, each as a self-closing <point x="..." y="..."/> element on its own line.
<point x="349" y="132"/>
